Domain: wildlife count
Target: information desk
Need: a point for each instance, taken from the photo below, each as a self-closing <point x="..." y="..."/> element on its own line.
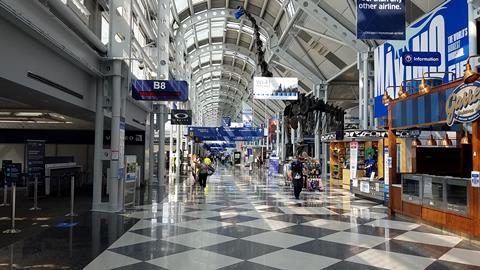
<point x="439" y="192"/>
<point x="369" y="189"/>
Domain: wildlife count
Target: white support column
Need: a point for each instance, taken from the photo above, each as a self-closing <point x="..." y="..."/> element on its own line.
<point x="282" y="156"/>
<point x="98" y="152"/>
<point x="161" y="119"/>
<point x="115" y="135"/>
<point x="178" y="147"/>
<point x="151" y="152"/>
<point x="277" y="131"/>
<point x="292" y="134"/>
<point x="325" y="146"/>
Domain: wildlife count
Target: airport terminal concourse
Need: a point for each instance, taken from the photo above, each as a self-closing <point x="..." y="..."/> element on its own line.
<point x="240" y="135"/>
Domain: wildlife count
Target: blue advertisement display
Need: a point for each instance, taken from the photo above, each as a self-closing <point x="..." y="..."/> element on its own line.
<point x="442" y="31"/>
<point x="377" y="19"/>
<point x="422" y="59"/>
<point x="157" y="90"/>
<point x="225" y="134"/>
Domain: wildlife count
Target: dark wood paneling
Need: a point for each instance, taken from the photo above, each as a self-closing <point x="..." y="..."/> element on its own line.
<point x="412" y="210"/>
<point x="459" y="224"/>
<point x="396" y="198"/>
<point x="434" y="216"/>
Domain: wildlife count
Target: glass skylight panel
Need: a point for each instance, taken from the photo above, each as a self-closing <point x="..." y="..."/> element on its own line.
<point x="181" y="5"/>
<point x="290" y="9"/>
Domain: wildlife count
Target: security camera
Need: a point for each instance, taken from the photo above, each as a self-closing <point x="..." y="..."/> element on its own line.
<point x="141" y="65"/>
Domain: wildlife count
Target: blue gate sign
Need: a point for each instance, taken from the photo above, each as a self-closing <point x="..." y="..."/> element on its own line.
<point x="422" y="59"/>
<point x="381" y="20"/>
<point x="158" y="90"/>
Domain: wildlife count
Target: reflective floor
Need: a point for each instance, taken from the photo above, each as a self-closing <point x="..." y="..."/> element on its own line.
<point x="244" y="221"/>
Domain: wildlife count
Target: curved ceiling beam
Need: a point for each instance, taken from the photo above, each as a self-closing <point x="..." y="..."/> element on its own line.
<point x="221" y="68"/>
<point x="209" y="85"/>
<point x="223" y="47"/>
<point x="238" y="84"/>
<point x="243" y="80"/>
<point x="188" y="23"/>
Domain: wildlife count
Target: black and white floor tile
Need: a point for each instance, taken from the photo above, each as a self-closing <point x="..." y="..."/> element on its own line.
<point x="248" y="222"/>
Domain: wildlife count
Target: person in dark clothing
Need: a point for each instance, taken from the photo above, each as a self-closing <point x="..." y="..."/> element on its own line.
<point x="295" y="175"/>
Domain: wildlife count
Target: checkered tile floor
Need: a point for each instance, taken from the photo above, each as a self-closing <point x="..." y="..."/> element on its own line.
<point x="241" y="222"/>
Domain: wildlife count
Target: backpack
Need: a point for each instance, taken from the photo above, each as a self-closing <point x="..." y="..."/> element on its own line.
<point x="296" y="166"/>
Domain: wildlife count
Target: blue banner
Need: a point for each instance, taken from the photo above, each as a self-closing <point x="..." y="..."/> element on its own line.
<point x="377" y="20"/>
<point x="155" y="90"/>
<point x="422" y="59"/>
<point x="444" y="31"/>
<point x="225" y="133"/>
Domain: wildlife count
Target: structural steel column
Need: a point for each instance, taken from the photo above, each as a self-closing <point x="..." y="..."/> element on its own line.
<point x="277" y="131"/>
<point x="98" y="152"/>
<point x="161" y="119"/>
<point x="178" y="147"/>
<point x="151" y="152"/>
<point x="282" y="156"/>
<point x="325" y="146"/>
<point x="115" y="134"/>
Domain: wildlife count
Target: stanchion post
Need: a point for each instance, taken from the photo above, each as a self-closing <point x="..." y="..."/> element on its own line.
<point x="5" y="195"/>
<point x="35" y="195"/>
<point x="12" y="229"/>
<point x="72" y="197"/>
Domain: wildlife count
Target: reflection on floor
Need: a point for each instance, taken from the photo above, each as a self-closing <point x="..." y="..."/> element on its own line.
<point x="247" y="222"/>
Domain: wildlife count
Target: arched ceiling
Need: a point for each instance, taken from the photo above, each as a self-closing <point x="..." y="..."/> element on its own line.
<point x="309" y="39"/>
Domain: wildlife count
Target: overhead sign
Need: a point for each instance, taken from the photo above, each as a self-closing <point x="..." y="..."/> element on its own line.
<point x="225" y="134"/>
<point x="381" y="19"/>
<point x="463" y="104"/>
<point x="422" y="59"/>
<point x="275" y="88"/>
<point x="158" y="90"/>
<point x="443" y="31"/>
<point x="181" y="117"/>
<point x="226" y="121"/>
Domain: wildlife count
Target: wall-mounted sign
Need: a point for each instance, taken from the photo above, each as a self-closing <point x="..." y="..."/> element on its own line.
<point x="275" y="88"/>
<point x="155" y="90"/>
<point x="463" y="104"/>
<point x="475" y="179"/>
<point x="381" y="19"/>
<point x="181" y="117"/>
<point x="422" y="59"/>
<point x="443" y="31"/>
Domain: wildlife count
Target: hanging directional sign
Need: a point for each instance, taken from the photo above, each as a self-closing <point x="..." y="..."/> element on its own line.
<point x="157" y="90"/>
<point x="181" y="117"/>
<point x="226" y="121"/>
<point x="225" y="133"/>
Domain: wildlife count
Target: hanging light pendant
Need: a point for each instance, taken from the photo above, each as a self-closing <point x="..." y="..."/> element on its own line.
<point x="431" y="141"/>
<point x="402" y="93"/>
<point x="470" y="76"/>
<point x="386" y="99"/>
<point x="416" y="142"/>
<point x="446" y="141"/>
<point x="465" y="139"/>
<point x="424" y="88"/>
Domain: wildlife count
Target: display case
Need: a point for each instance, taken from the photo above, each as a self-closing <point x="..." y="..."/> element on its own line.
<point x="412" y="188"/>
<point x="434" y="191"/>
<point x="457" y="195"/>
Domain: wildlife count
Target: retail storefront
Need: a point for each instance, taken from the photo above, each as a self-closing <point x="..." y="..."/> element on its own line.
<point x="442" y="188"/>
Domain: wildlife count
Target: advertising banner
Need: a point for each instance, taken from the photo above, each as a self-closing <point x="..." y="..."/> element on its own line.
<point x="35" y="157"/>
<point x="121" y="149"/>
<point x="132" y="165"/>
<point x="380" y="19"/>
<point x="273" y="165"/>
<point x="181" y="117"/>
<point x="247" y="115"/>
<point x="353" y="159"/>
<point x="275" y="88"/>
<point x="442" y="31"/>
<point x="157" y="90"/>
